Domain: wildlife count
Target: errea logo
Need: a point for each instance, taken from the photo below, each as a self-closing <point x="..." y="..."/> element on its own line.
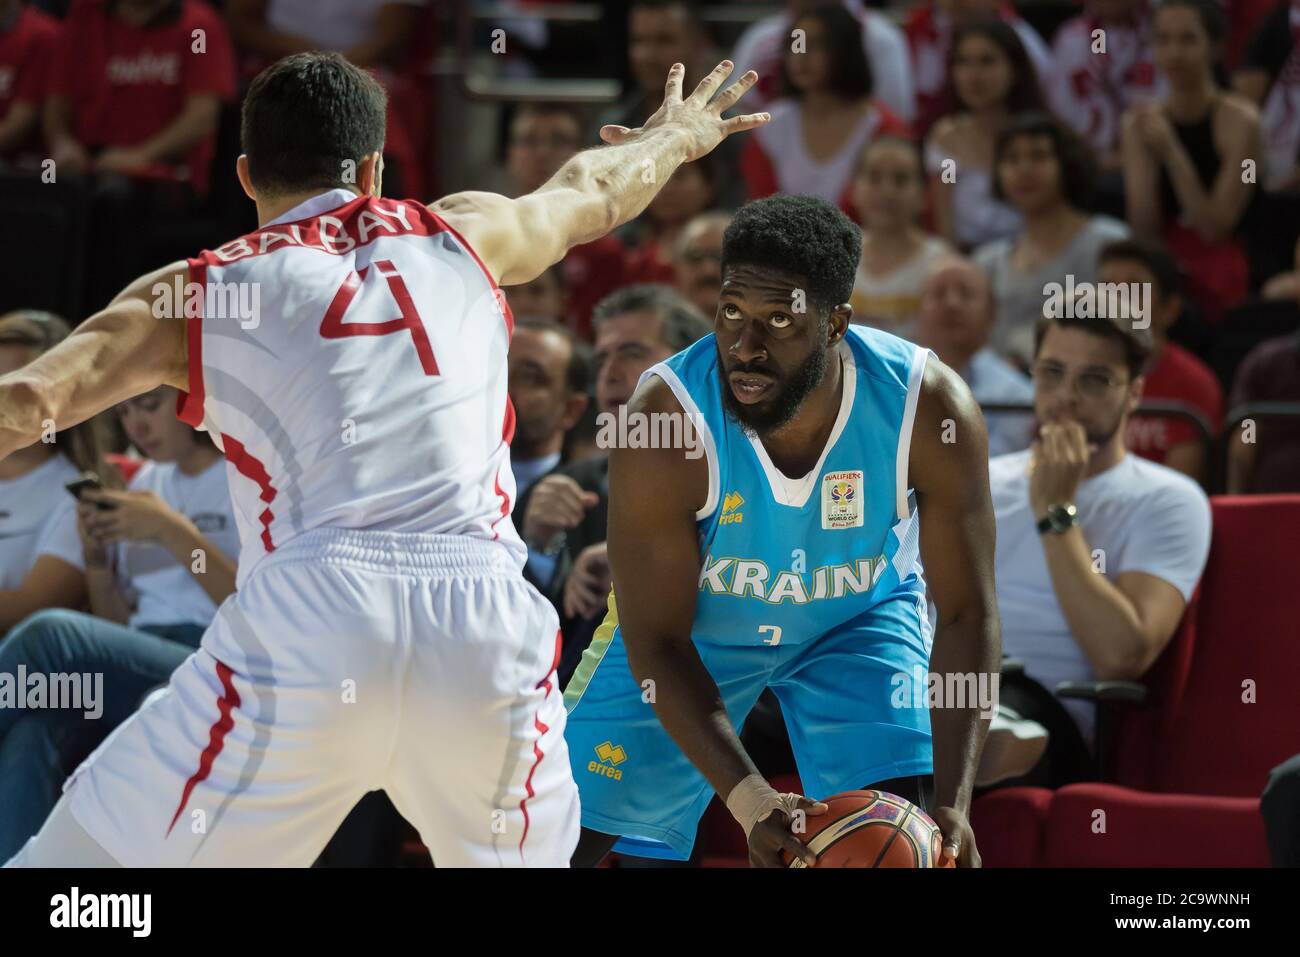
<point x="610" y="754"/>
<point x="731" y="503"/>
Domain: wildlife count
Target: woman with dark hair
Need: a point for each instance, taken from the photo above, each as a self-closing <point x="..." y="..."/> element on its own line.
<point x="1044" y="170"/>
<point x="990" y="79"/>
<point x="1187" y="156"/>
<point x="825" y="118"/>
<point x="40" y="557"/>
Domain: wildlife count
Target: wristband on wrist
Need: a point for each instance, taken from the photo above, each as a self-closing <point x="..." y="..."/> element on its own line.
<point x="751" y="800"/>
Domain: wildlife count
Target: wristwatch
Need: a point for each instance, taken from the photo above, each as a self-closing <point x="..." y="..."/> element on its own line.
<point x="1059" y="519"/>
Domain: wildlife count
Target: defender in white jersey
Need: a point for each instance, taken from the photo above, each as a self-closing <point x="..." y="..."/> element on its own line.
<point x="350" y="359"/>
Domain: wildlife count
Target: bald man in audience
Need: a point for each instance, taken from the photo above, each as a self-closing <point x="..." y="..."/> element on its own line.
<point x="955" y="320"/>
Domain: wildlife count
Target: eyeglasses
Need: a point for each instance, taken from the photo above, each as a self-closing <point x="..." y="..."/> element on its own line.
<point x="21" y="341"/>
<point x="1092" y="384"/>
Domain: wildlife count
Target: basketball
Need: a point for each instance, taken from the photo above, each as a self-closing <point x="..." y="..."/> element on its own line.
<point x="871" y="829"/>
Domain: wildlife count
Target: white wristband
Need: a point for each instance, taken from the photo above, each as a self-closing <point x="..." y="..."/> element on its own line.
<point x="751" y="800"/>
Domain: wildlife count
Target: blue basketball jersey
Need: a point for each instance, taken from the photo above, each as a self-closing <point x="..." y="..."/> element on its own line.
<point x="785" y="560"/>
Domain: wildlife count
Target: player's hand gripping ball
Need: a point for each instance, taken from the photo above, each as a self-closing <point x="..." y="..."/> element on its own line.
<point x="870" y="829"/>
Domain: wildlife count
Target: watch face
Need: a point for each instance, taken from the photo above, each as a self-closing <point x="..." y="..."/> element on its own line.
<point x="1060" y="516"/>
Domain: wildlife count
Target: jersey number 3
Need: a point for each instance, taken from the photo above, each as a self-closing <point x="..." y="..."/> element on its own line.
<point x="333" y="326"/>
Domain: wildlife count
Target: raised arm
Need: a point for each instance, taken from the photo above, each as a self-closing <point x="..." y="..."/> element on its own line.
<point x="599" y="189"/>
<point x="951" y="479"/>
<point x="117" y="353"/>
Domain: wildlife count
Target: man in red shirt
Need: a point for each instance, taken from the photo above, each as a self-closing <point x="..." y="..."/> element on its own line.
<point x="1172" y="373"/>
<point x="26" y="38"/>
<point x="136" y="87"/>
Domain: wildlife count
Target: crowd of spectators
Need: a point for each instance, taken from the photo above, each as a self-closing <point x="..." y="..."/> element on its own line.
<point x="985" y="150"/>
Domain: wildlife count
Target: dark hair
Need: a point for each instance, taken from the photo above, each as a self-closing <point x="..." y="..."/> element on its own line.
<point x="1073" y="155"/>
<point x="1024" y="93"/>
<point x="850" y="74"/>
<point x="1164" y="267"/>
<point x="306" y="116"/>
<point x="577" y="375"/>
<point x="800" y="236"/>
<point x="548" y="108"/>
<point x="1211" y="14"/>
<point x="893" y="139"/>
<point x="1137" y="343"/>
<point x="680" y="322"/>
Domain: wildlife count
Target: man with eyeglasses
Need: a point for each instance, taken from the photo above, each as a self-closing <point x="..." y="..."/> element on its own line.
<point x="1098" y="551"/>
<point x="697" y="260"/>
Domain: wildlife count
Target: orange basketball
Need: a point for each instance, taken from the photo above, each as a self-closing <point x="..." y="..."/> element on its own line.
<point x="870" y="829"/>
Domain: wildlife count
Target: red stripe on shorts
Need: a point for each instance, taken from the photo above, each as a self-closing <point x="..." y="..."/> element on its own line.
<point x="228" y="701"/>
<point x="537" y="750"/>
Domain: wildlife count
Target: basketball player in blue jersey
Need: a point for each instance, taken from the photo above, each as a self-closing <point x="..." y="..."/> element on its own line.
<point x="837" y="461"/>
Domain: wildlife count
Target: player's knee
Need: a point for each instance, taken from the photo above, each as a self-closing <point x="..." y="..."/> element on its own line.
<point x="593" y="847"/>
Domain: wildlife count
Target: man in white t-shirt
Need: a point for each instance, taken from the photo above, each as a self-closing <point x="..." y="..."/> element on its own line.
<point x="1098" y="551"/>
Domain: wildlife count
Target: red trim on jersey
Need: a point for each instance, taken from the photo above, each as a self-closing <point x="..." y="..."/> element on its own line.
<point x="189" y="405"/>
<point x="228" y="701"/>
<point x="537" y="749"/>
<point x="388" y="217"/>
<point x="251" y="467"/>
<point x="505" y="504"/>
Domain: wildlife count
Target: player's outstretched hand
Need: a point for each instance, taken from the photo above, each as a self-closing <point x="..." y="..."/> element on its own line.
<point x="699" y="115"/>
<point x="775" y="833"/>
<point x="958" y="838"/>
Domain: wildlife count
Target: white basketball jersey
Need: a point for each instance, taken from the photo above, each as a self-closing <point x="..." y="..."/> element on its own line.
<point x="350" y="359"/>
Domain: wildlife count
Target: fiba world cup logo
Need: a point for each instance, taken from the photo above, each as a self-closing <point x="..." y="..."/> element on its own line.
<point x="842" y="494"/>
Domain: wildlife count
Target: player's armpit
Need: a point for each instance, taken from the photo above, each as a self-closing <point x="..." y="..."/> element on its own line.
<point x="136" y="343"/>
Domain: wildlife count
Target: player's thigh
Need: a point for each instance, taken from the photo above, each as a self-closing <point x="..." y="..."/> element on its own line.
<point x="480" y="766"/>
<point x="254" y="752"/>
<point x="848" y="702"/>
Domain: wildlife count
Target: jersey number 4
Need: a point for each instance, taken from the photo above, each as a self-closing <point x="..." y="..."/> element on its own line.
<point x="333" y="326"/>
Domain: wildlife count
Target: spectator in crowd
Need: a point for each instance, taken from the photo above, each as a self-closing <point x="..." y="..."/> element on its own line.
<point x="955" y="320"/>
<point x="159" y="558"/>
<point x="1264" y="452"/>
<point x="1044" y="171"/>
<point x="27" y="38"/>
<point x="1091" y="86"/>
<point x="1285" y="285"/>
<point x="1269" y="76"/>
<point x="660" y="33"/>
<point x="135" y="94"/>
<point x="542" y="298"/>
<point x="1098" y="551"/>
<point x="377" y="35"/>
<point x="1171" y="374"/>
<point x="548" y="388"/>
<point x="564" y="513"/>
<point x="697" y="260"/>
<point x="652" y="236"/>
<point x="826" y="115"/>
<point x="542" y="137"/>
<point x="1185" y="156"/>
<point x="930" y="28"/>
<point x="40" y="557"/>
<point x="763" y="44"/>
<point x="888" y="192"/>
<point x="991" y="79"/>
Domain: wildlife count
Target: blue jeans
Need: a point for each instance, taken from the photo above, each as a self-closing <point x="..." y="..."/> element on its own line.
<point x="40" y="748"/>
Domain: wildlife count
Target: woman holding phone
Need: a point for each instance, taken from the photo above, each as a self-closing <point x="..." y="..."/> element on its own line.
<point x="159" y="557"/>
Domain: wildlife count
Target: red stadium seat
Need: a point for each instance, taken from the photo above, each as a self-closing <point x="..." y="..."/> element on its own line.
<point x="1009" y="825"/>
<point x="125" y="464"/>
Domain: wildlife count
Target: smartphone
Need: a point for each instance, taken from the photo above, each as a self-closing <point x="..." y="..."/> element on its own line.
<point x="84" y="481"/>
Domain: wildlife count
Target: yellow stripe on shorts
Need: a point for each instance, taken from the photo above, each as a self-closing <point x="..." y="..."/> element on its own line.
<point x="591" y="658"/>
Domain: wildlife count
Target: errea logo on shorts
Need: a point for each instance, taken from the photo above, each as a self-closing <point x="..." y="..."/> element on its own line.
<point x="610" y="754"/>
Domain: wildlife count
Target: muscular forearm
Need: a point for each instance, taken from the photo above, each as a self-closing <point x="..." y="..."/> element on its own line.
<point x="623" y="177"/>
<point x="215" y="573"/>
<point x="690" y="708"/>
<point x="1102" y="620"/>
<point x="963" y="647"/>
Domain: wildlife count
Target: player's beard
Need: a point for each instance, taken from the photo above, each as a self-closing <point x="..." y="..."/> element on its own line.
<point x="764" y="418"/>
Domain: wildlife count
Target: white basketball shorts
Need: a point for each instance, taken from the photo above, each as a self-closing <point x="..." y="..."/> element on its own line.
<point x="349" y="661"/>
